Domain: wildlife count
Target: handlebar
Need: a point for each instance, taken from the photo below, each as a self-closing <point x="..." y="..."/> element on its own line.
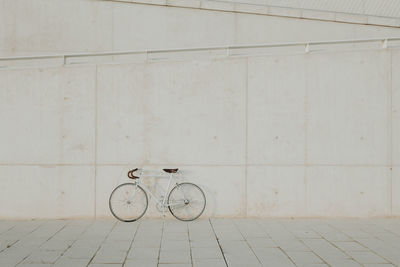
<point x="130" y="174"/>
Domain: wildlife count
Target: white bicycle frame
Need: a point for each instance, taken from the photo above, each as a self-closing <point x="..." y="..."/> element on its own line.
<point x="159" y="201"/>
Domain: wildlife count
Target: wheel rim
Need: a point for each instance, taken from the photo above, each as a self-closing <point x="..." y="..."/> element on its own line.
<point x="128" y="202"/>
<point x="186" y="202"/>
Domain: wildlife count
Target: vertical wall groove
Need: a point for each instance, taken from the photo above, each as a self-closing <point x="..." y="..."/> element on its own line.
<point x="246" y="134"/>
<point x="390" y="134"/>
<point x="95" y="144"/>
<point x="306" y="140"/>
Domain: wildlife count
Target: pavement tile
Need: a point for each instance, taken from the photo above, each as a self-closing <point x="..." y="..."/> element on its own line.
<point x="304" y="257"/>
<point x="66" y="262"/>
<point x="350" y="246"/>
<point x="175" y="265"/>
<point x="206" y="253"/>
<point x="261" y="242"/>
<point x="43" y="256"/>
<point x="366" y="257"/>
<point x="143" y="253"/>
<point x="141" y="263"/>
<point x="343" y="263"/>
<point x="35" y="265"/>
<point x="109" y="257"/>
<point x="174" y="256"/>
<point x="379" y="265"/>
<point x="104" y="265"/>
<point x="209" y="262"/>
<point x="207" y="243"/>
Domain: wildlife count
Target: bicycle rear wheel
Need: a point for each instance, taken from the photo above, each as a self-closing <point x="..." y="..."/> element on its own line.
<point x="186" y="201"/>
<point x="128" y="202"/>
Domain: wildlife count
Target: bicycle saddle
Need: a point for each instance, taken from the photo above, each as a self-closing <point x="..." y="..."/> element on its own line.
<point x="170" y="170"/>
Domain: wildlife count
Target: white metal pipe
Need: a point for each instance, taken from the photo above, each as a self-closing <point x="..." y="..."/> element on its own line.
<point x="227" y="48"/>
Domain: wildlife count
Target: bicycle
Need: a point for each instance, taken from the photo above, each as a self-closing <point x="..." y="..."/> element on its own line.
<point x="128" y="202"/>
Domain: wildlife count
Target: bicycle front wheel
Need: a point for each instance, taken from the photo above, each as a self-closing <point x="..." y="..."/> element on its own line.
<point x="186" y="201"/>
<point x="128" y="202"/>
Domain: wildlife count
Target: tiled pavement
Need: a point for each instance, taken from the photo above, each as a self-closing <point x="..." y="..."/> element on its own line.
<point x="211" y="243"/>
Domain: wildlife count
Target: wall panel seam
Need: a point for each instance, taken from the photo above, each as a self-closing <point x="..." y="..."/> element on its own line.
<point x="246" y="134"/>
<point x="306" y="137"/>
<point x="390" y="129"/>
<point x="95" y="142"/>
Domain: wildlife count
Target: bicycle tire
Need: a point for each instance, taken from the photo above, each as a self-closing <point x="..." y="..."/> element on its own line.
<point x="128" y="202"/>
<point x="200" y="194"/>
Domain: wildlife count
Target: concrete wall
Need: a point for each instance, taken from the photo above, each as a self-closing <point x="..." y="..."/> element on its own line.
<point x="291" y="135"/>
<point x="55" y="26"/>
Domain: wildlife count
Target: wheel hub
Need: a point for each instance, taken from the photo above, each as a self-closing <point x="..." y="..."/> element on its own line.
<point x="160" y="207"/>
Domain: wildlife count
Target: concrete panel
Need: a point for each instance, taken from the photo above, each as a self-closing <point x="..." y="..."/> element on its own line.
<point x="5" y="18"/>
<point x="200" y="28"/>
<point x="150" y="27"/>
<point x="393" y="22"/>
<point x="396" y="191"/>
<point x="78" y="114"/>
<point x="348" y="191"/>
<point x="395" y="107"/>
<point x="134" y="29"/>
<point x="53" y="26"/>
<point x="288" y="30"/>
<point x="172" y="113"/>
<point x="285" y="3"/>
<point x="348" y="17"/>
<point x="374" y="31"/>
<point x="276" y="110"/>
<point x="348" y="120"/>
<point x="214" y="5"/>
<point x="276" y="191"/>
<point x="224" y="187"/>
<point x="47" y="115"/>
<point x="46" y="192"/>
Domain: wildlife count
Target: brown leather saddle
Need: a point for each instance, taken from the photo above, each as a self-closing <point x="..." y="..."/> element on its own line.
<point x="170" y="170"/>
